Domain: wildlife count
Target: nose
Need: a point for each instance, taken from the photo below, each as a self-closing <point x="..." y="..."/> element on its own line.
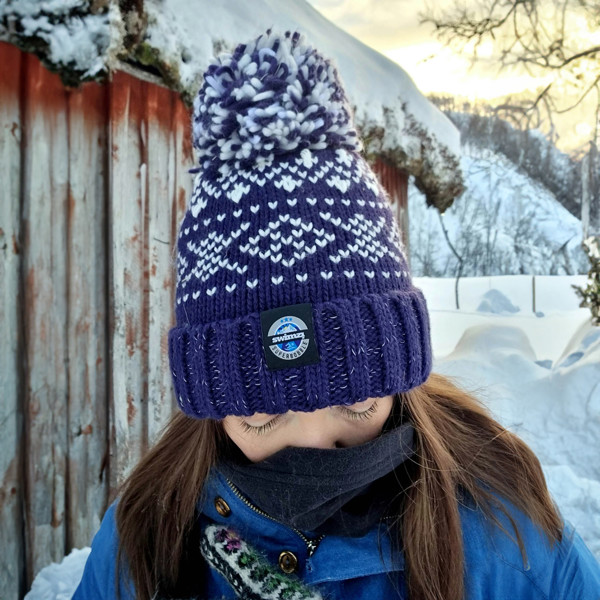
<point x="315" y="430"/>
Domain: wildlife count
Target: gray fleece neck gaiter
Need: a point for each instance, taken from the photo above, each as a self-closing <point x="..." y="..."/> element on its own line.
<point x="343" y="491"/>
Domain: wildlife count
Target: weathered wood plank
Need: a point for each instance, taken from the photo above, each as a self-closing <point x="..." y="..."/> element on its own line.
<point x="183" y="178"/>
<point x="11" y="417"/>
<point x="128" y="277"/>
<point x="87" y="219"/>
<point x="183" y="189"/>
<point x="161" y="186"/>
<point x="395" y="182"/>
<point x="87" y="300"/>
<point x="45" y="199"/>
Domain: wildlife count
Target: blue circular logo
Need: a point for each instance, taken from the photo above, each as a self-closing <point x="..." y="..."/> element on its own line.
<point x="289" y="345"/>
<point x="287" y="337"/>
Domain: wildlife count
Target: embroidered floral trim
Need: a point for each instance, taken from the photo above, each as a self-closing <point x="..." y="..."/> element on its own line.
<point x="250" y="574"/>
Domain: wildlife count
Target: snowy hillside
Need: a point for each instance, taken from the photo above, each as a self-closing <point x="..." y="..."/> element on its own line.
<point x="393" y="116"/>
<point x="504" y="223"/>
<point x="535" y="154"/>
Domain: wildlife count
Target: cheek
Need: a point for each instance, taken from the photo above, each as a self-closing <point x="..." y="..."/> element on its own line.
<point x="357" y="435"/>
<point x="362" y="432"/>
<point x="255" y="448"/>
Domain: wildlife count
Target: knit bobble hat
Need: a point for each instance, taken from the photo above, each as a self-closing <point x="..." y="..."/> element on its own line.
<point x="293" y="291"/>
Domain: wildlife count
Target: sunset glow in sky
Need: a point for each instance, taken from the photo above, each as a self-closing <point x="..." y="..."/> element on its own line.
<point x="393" y="28"/>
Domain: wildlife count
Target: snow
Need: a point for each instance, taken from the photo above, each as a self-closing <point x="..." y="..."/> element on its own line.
<point x="181" y="37"/>
<point x="185" y="38"/>
<point x="538" y="375"/>
<point x="388" y="104"/>
<point x="533" y="151"/>
<point x="495" y="301"/>
<point x="59" y="581"/>
<point x="76" y="38"/>
<point x="555" y="408"/>
<point x="504" y="223"/>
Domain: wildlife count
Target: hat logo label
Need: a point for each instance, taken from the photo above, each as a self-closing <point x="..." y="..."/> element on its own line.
<point x="288" y="337"/>
<point x="288" y="340"/>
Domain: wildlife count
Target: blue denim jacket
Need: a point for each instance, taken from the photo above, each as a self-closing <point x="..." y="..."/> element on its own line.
<point x="363" y="568"/>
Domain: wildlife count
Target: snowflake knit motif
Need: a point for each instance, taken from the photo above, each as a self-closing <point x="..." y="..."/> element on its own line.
<point x="250" y="574"/>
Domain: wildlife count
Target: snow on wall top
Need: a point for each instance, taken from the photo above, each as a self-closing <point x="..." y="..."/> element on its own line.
<point x="177" y="38"/>
<point x="68" y="35"/>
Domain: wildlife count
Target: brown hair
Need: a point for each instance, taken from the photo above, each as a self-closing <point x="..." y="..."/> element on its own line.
<point x="459" y="449"/>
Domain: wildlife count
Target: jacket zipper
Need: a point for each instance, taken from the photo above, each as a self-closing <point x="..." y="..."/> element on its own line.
<point x="311" y="545"/>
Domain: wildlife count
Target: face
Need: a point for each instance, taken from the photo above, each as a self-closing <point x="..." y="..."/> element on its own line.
<point x="261" y="435"/>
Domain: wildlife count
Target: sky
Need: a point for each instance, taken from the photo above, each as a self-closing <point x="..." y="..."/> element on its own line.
<point x="394" y="28"/>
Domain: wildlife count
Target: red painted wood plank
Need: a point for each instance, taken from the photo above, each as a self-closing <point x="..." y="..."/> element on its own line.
<point x="45" y="202"/>
<point x="151" y="152"/>
<point x="128" y="273"/>
<point x="169" y="186"/>
<point x="87" y="488"/>
<point x="105" y="185"/>
<point x="161" y="194"/>
<point x="395" y="182"/>
<point x="11" y="409"/>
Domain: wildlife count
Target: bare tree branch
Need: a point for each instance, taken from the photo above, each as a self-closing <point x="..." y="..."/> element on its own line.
<point x="594" y="85"/>
<point x="542" y="37"/>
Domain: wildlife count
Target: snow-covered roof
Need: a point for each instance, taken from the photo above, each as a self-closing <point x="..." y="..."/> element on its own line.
<point x="177" y="38"/>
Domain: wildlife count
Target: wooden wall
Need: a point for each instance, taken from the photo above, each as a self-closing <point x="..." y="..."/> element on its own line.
<point x="94" y="182"/>
<point x="396" y="184"/>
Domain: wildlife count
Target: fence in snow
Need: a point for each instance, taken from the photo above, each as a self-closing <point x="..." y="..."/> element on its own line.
<point x="538" y="293"/>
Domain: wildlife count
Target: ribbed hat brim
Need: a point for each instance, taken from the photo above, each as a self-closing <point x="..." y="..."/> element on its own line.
<point x="220" y="367"/>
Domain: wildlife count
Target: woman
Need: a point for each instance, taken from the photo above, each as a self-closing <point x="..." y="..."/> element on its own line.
<point x="316" y="455"/>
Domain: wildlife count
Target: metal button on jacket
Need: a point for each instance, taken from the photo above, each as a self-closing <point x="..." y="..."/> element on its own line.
<point x="222" y="507"/>
<point x="288" y="562"/>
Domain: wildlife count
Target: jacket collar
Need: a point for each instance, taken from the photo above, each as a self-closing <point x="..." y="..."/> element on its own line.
<point x="320" y="559"/>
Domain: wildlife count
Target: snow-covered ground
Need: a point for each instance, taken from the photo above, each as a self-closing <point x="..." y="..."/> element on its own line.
<point x="539" y="374"/>
<point x="58" y="581"/>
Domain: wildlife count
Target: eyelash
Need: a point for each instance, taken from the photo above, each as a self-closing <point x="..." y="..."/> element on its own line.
<point x="349" y="414"/>
<point x="359" y="416"/>
<point x="261" y="429"/>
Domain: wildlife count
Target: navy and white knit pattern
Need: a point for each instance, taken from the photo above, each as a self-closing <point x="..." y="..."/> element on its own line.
<point x="272" y="96"/>
<point x="295" y="217"/>
<point x="326" y="230"/>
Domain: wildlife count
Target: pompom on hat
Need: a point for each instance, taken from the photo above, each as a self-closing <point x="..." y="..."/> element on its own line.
<point x="293" y="290"/>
